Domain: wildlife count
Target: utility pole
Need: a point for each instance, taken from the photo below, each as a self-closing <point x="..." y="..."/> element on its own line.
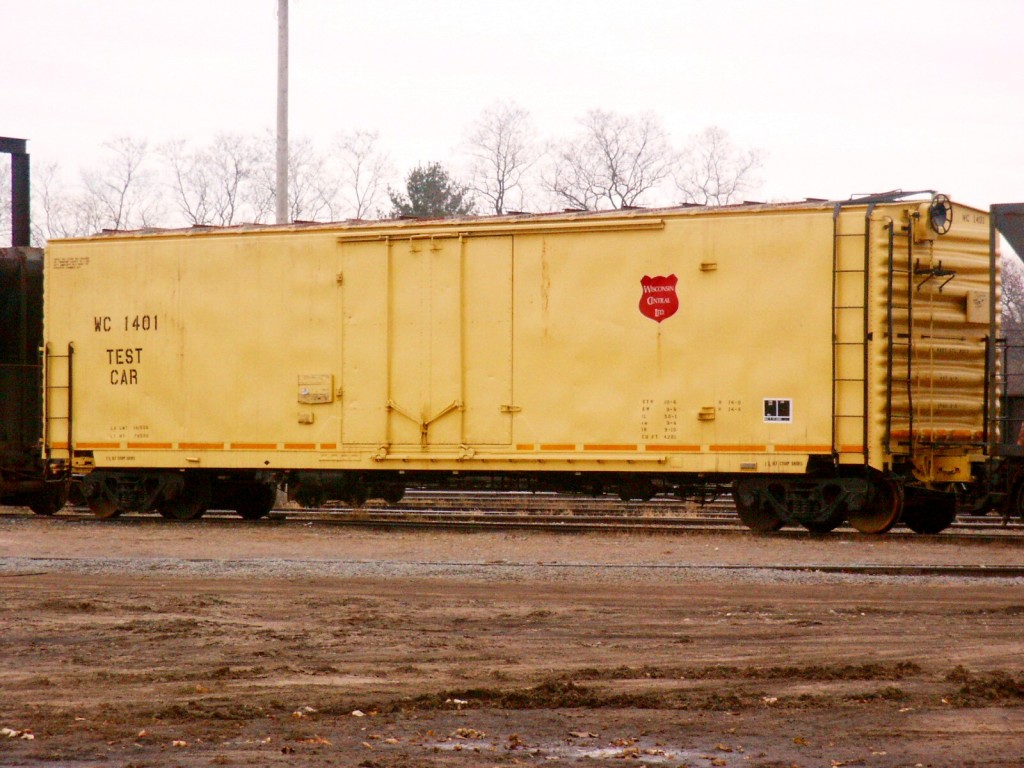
<point x="282" y="111"/>
<point x="20" y="197"/>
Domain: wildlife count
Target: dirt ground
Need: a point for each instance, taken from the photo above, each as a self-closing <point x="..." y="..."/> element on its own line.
<point x="230" y="643"/>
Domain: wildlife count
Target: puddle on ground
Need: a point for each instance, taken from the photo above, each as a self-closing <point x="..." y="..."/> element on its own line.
<point x="639" y="752"/>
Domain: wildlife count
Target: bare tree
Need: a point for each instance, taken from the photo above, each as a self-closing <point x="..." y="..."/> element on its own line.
<point x="122" y="195"/>
<point x="1011" y="299"/>
<point x="613" y="163"/>
<point x="313" y="187"/>
<point x="713" y="171"/>
<point x="502" y="149"/>
<point x="1011" y="319"/>
<point x="55" y="206"/>
<point x="63" y="209"/>
<point x="365" y="171"/>
<point x="190" y="181"/>
<point x="211" y="185"/>
<point x="262" y="197"/>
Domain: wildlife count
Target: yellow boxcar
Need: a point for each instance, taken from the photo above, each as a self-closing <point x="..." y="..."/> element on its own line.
<point x="827" y="358"/>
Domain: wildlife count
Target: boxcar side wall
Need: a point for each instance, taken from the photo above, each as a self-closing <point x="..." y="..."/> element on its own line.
<point x="596" y="374"/>
<point x="192" y="348"/>
<point x="676" y="342"/>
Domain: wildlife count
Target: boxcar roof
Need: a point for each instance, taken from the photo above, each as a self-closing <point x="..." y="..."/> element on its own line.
<point x="513" y="220"/>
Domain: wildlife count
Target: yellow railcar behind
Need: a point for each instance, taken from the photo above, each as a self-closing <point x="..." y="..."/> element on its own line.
<point x="827" y="359"/>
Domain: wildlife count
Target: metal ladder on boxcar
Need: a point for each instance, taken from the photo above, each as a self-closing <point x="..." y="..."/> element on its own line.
<point x="58" y="410"/>
<point x="849" y="305"/>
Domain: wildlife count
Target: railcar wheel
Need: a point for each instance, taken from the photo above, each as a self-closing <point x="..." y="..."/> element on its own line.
<point x="309" y="497"/>
<point x="393" y="493"/>
<point x="190" y="503"/>
<point x="637" y="488"/>
<point x="182" y="508"/>
<point x="823" y="526"/>
<point x="1014" y="505"/>
<point x="881" y="511"/>
<point x="356" y="495"/>
<point x="49" y="501"/>
<point x="256" y="501"/>
<point x="755" y="513"/>
<point x="104" y="508"/>
<point x="831" y="498"/>
<point x="928" y="521"/>
<point x="45" y="507"/>
<point x="929" y="512"/>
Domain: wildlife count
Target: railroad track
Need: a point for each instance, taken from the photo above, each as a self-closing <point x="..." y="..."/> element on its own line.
<point x="46" y="565"/>
<point x="554" y="511"/>
<point x="493" y="510"/>
<point x="438" y="520"/>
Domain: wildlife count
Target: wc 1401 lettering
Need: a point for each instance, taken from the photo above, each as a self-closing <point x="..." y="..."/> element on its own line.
<point x="105" y="323"/>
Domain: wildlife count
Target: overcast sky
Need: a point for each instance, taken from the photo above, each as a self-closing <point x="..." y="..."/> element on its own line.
<point x="844" y="98"/>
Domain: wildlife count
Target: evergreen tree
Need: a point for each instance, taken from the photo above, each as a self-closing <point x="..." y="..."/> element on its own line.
<point x="430" y="193"/>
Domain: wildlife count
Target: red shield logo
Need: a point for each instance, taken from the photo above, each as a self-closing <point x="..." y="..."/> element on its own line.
<point x="658" y="300"/>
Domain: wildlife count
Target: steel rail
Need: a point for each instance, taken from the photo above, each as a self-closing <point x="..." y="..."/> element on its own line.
<point x="858" y="569"/>
<point x="648" y="525"/>
<point x="537" y="523"/>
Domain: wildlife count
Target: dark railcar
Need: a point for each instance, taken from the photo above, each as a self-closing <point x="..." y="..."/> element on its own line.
<point x="23" y="480"/>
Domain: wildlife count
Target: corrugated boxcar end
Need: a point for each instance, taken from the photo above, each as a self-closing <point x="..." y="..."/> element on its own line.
<point x="638" y="351"/>
<point x="934" y="313"/>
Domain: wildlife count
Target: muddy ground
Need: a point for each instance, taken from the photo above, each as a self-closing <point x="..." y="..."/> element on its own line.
<point x="230" y="643"/>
